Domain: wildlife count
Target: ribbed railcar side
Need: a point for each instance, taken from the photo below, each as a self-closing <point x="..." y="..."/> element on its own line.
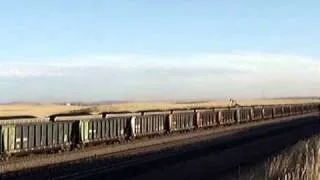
<point x="316" y="107"/>
<point x="244" y="114"/>
<point x="114" y="127"/>
<point x="286" y="110"/>
<point x="313" y="107"/>
<point x="268" y="112"/>
<point x="294" y="109"/>
<point x="36" y="137"/>
<point x="257" y="113"/>
<point x="150" y="123"/>
<point x="8" y="139"/>
<point x="181" y="120"/>
<point x="206" y="118"/>
<point x="278" y="111"/>
<point x="309" y="108"/>
<point x="299" y="109"/>
<point x="227" y="116"/>
<point x="305" y="108"/>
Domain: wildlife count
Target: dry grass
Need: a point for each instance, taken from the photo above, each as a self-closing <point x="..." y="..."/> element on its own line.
<point x="171" y="105"/>
<point x="300" y="162"/>
<point x="35" y="110"/>
<point x="47" y="110"/>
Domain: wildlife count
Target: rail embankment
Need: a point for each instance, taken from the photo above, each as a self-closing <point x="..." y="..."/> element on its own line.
<point x="298" y="162"/>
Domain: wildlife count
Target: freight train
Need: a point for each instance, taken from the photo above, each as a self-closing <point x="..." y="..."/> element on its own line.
<point x="64" y="133"/>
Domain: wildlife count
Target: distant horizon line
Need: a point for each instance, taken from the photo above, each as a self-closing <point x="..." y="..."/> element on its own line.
<point x="128" y="101"/>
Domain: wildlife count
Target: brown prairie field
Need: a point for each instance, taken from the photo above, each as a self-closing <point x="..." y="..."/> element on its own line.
<point x="51" y="109"/>
<point x="35" y="110"/>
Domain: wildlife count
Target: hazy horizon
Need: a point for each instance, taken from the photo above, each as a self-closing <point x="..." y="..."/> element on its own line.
<point x="60" y="51"/>
<point x="154" y="100"/>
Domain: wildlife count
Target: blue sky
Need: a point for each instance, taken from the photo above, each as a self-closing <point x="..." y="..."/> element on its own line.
<point x="143" y="50"/>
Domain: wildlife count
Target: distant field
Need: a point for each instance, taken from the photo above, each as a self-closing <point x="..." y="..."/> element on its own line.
<point x="48" y="109"/>
<point x="35" y="110"/>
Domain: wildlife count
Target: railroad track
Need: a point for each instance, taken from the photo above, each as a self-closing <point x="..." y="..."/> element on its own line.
<point x="181" y="152"/>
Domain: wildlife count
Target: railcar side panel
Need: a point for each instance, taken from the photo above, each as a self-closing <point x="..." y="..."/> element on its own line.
<point x="268" y="112"/>
<point x="278" y="111"/>
<point x="228" y="116"/>
<point x="104" y="129"/>
<point x="30" y="137"/>
<point x="183" y="121"/>
<point x="207" y="119"/>
<point x="294" y="110"/>
<point x="150" y="124"/>
<point x="257" y="113"/>
<point x="8" y="134"/>
<point x="286" y="110"/>
<point x="244" y="115"/>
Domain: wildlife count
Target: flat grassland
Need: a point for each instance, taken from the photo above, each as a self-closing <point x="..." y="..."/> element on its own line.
<point x="45" y="110"/>
<point x="35" y="110"/>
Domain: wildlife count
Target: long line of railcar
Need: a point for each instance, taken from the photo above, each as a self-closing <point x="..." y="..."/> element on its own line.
<point x="64" y="133"/>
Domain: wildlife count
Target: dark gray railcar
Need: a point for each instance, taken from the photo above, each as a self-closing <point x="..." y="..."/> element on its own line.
<point x="297" y="109"/>
<point x="287" y="110"/>
<point x="29" y="137"/>
<point x="182" y="120"/>
<point x="308" y="108"/>
<point x="207" y="118"/>
<point x="305" y="108"/>
<point x="268" y="112"/>
<point x="244" y="114"/>
<point x="114" y="127"/>
<point x="150" y="123"/>
<point x="278" y="111"/>
<point x="44" y="135"/>
<point x="227" y="116"/>
<point x="294" y="109"/>
<point x="316" y="107"/>
<point x="312" y="107"/>
<point x="300" y="109"/>
<point x="257" y="113"/>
